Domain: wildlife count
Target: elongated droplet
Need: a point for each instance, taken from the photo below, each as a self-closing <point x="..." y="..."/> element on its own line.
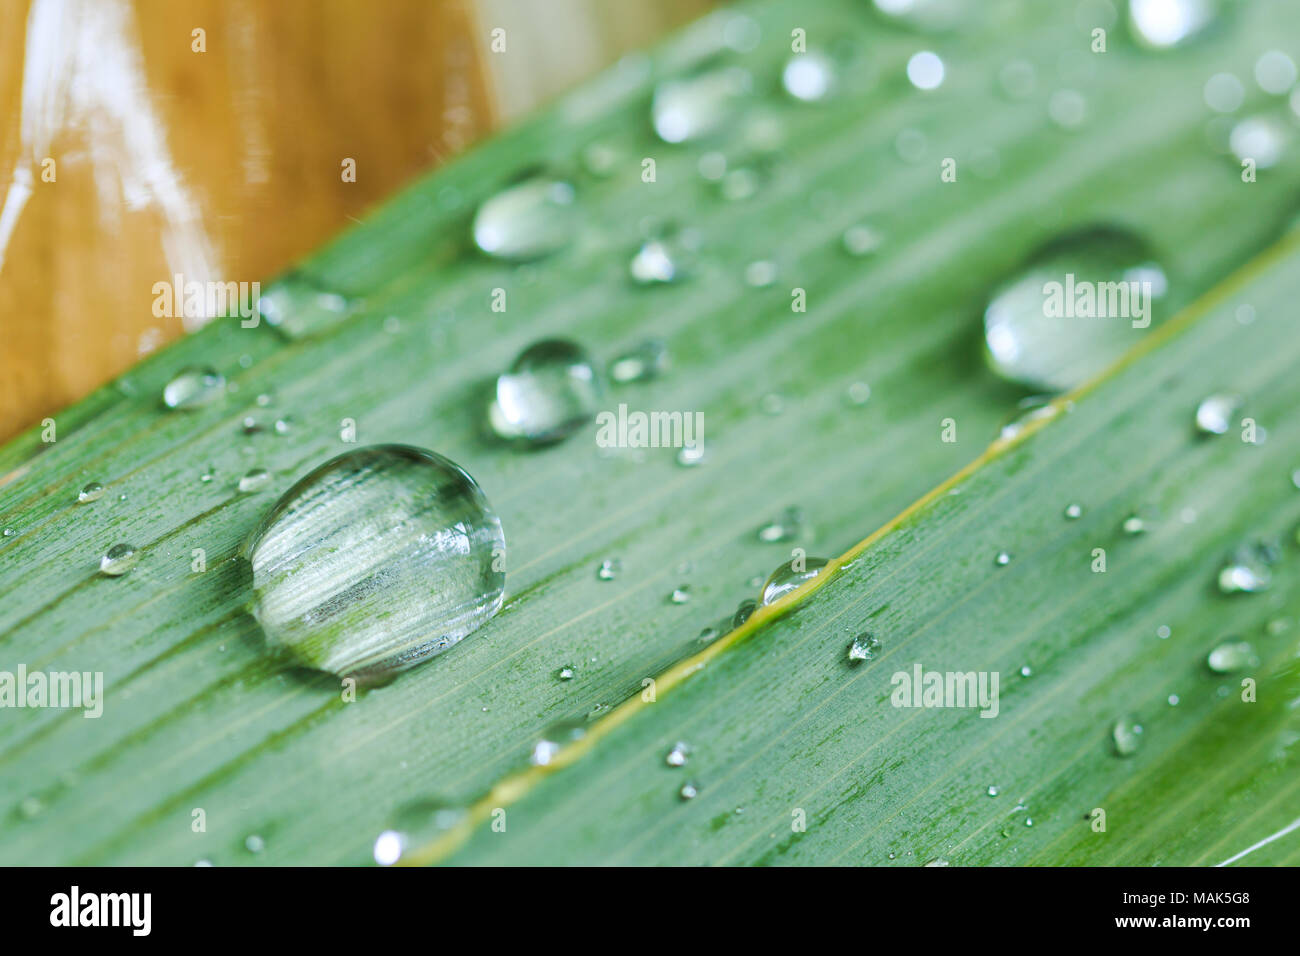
<point x="1029" y="409"/>
<point x="193" y="387"/>
<point x="92" y="492"/>
<point x="1161" y="24"/>
<point x="1127" y="734"/>
<point x="1214" y="414"/>
<point x="786" y="579"/>
<point x="526" y="221"/>
<point x="118" y="560"/>
<point x="1246" y="573"/>
<point x="691" y="108"/>
<point x="375" y="560"/>
<point x="1230" y="656"/>
<point x="255" y="480"/>
<point x="550" y="391"/>
<point x="646" y="361"/>
<point x="1082" y="301"/>
<point x="808" y="76"/>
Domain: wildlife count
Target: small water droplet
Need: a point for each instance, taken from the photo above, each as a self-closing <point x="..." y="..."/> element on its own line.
<point x="1246" y="573"/>
<point x="760" y="274"/>
<point x="550" y="391"/>
<point x="681" y="594"/>
<point x="30" y="808"/>
<point x="284" y="426"/>
<point x="859" y="393"/>
<point x="740" y="184"/>
<point x="643" y="363"/>
<point x="1134" y="524"/>
<point x="994" y="790"/>
<point x="1224" y="93"/>
<point x="554" y="739"/>
<point x="1275" y="72"/>
<point x="1067" y="109"/>
<point x="376" y="560"/>
<point x="691" y="456"/>
<point x="784" y="528"/>
<point x="863" y="648"/>
<point x="1261" y="139"/>
<point x="743" y="612"/>
<point x="1073" y="511"/>
<point x="1026" y="671"/>
<point x="1214" y="414"/>
<point x="925" y="70"/>
<point x="92" y="492"/>
<point x="1081" y="302"/>
<point x="1162" y="24"/>
<point x="936" y="862"/>
<point x="254" y="480"/>
<point x="1127" y="735"/>
<point x="657" y="261"/>
<point x="808" y="76"/>
<point x="861" y="240"/>
<point x="678" y="755"/>
<point x="786" y="579"/>
<point x="254" y="843"/>
<point x="928" y="15"/>
<point x="528" y="220"/>
<point x="1230" y="656"/>
<point x="118" y="560"/>
<point x="566" y="672"/>
<point x="693" y="107"/>
<point x="689" y="791"/>
<point x="1029" y="409"/>
<point x="193" y="386"/>
<point x="1173" y="700"/>
<point x="609" y="569"/>
<point x="1002" y="559"/>
<point x="1163" y="632"/>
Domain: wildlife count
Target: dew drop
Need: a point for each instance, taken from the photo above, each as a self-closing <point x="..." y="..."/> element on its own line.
<point x="1002" y="559"/>
<point x="861" y="240"/>
<point x="1073" y="511"/>
<point x="936" y="862"/>
<point x="254" y="843"/>
<point x="376" y="560"/>
<point x="1162" y="24"/>
<point x="1127" y="735"/>
<point x="550" y="391"/>
<point x="689" y="791"/>
<point x="1026" y="671"/>
<point x="680" y="594"/>
<point x="858" y="393"/>
<point x="693" y="107"/>
<point x="691" y="455"/>
<point x="925" y="70"/>
<point x="1214" y="414"/>
<point x="526" y="221"/>
<point x="1275" y="72"/>
<point x="784" y="528"/>
<point x="566" y="672"/>
<point x="1163" y="632"/>
<point x="609" y="569"/>
<point x="743" y="612"/>
<point x="1230" y="656"/>
<point x="760" y="274"/>
<point x="193" y="387"/>
<point x="678" y="755"/>
<point x="1059" y="339"/>
<point x="29" y="808"/>
<point x="555" y="739"/>
<point x="427" y="817"/>
<point x="1245" y="573"/>
<point x="786" y="579"/>
<point x="1133" y="525"/>
<point x="993" y="790"/>
<point x="808" y="76"/>
<point x="1261" y="139"/>
<point x="656" y="262"/>
<point x="92" y="492"/>
<point x="643" y="363"/>
<point x="863" y="648"/>
<point x="254" y="480"/>
<point x="118" y="560"/>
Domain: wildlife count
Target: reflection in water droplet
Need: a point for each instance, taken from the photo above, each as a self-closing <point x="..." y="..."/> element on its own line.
<point x="566" y="672"/>
<point x="1246" y="573"/>
<point x="1259" y="138"/>
<point x="255" y="480"/>
<point x="531" y="219"/>
<point x="609" y="569"/>
<point x="1082" y="301"/>
<point x="1029" y="409"/>
<point x="1127" y="735"/>
<point x="689" y="791"/>
<point x="1002" y="559"/>
<point x="678" y="755"/>
<point x="743" y="612"/>
<point x="550" y="391"/>
<point x="1231" y="656"/>
<point x="92" y="492"/>
<point x="1073" y="511"/>
<point x="657" y="261"/>
<point x="375" y="560"/>
<point x="1214" y="414"/>
<point x="193" y="386"/>
<point x="681" y="594"/>
<point x="1161" y="24"/>
<point x="646" y="361"/>
<point x="784" y="528"/>
<point x="863" y="648"/>
<point x="691" y="108"/>
<point x="1134" y="524"/>
<point x="689" y="457"/>
<point x="118" y="560"/>
<point x="808" y="76"/>
<point x="786" y="579"/>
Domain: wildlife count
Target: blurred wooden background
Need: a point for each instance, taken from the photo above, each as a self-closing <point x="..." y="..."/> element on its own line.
<point x="133" y="147"/>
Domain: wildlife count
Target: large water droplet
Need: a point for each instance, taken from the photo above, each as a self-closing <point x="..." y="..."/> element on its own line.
<point x="531" y="219"/>
<point x="1127" y="735"/>
<point x="1161" y="24"/>
<point x="786" y="579"/>
<point x="375" y="560"/>
<point x="1082" y="302"/>
<point x="1214" y="414"/>
<point x="1230" y="656"/>
<point x="691" y="108"/>
<point x="193" y="387"/>
<point x="550" y="391"/>
<point x="118" y="560"/>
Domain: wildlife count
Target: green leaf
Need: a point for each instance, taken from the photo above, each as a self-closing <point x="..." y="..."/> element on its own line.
<point x="198" y="715"/>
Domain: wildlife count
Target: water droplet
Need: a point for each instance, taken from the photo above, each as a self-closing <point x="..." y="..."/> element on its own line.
<point x="994" y="790"/>
<point x="657" y="261"/>
<point x="427" y="817"/>
<point x="566" y="672"/>
<point x="691" y="456"/>
<point x="1029" y="409"/>
<point x="1259" y="138"/>
<point x="784" y="528"/>
<point x="1067" y="109"/>
<point x="760" y="274"/>
<point x="689" y="791"/>
<point x="375" y="560"/>
<point x="1161" y="24"/>
<point x="555" y="739"/>
<point x="389" y="846"/>
<point x="254" y="843"/>
<point x="647" y="361"/>
<point x="1127" y="734"/>
<point x="526" y="221"/>
<point x="859" y="393"/>
<point x="1214" y="414"/>
<point x="692" y="108"/>
<point x="1173" y="700"/>
<point x="712" y="166"/>
<point x="1224" y="93"/>
<point x="193" y="387"/>
<point x="283" y="425"/>
<point x="1230" y="656"/>
<point x="681" y="594"/>
<point x="92" y="492"/>
<point x="740" y="184"/>
<point x="118" y="560"/>
<point x="1080" y="303"/>
<point x="1002" y="559"/>
<point x="743" y="612"/>
<point x="1026" y="671"/>
<point x="861" y="240"/>
<point x="30" y="807"/>
<point x="678" y="755"/>
<point x="550" y="391"/>
<point x="1134" y="524"/>
<point x="925" y="70"/>
<point x="936" y="862"/>
<point x="863" y="648"/>
<point x="1073" y="511"/>
<point x="1163" y="632"/>
<point x="1246" y="573"/>
<point x="808" y="76"/>
<point x="786" y="579"/>
<point x="1275" y="72"/>
<point x="609" y="569"/>
<point x="255" y="480"/>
